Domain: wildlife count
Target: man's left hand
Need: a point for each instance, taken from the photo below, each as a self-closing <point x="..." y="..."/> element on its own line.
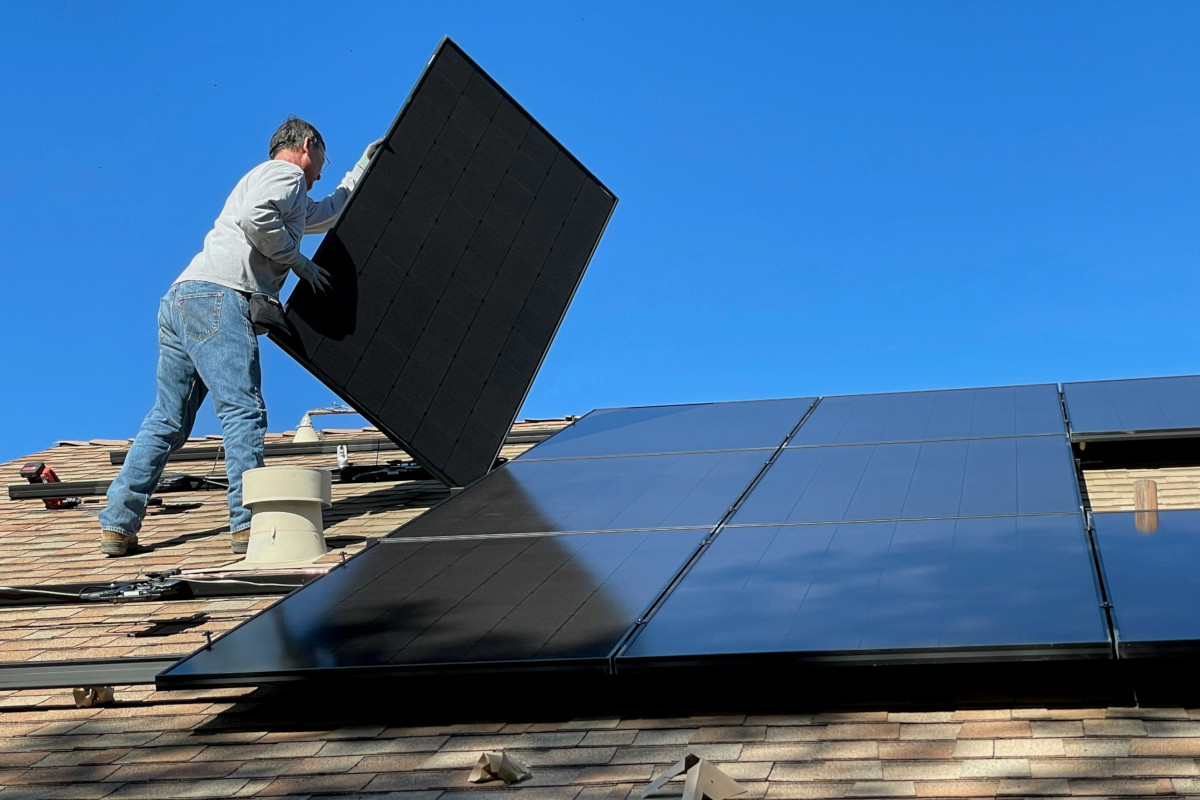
<point x="369" y="153"/>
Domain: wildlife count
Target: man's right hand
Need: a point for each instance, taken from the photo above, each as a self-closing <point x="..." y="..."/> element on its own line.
<point x="317" y="277"/>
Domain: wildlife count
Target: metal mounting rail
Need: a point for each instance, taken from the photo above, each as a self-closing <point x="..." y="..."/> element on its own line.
<point x="392" y="471"/>
<point x="72" y="674"/>
<point x="169" y="483"/>
<point x="327" y="446"/>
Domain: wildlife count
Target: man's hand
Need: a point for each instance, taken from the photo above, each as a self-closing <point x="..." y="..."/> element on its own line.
<point x="316" y="276"/>
<point x="369" y="153"/>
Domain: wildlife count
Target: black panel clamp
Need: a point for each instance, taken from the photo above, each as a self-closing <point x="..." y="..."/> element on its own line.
<point x="156" y="586"/>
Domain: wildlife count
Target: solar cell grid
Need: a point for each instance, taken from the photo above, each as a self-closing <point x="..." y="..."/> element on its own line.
<point x="453" y="264"/>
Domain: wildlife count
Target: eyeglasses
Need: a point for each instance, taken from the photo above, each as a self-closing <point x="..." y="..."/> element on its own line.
<point x="325" y="162"/>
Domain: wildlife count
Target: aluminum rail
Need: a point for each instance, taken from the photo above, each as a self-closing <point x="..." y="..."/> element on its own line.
<point x="326" y="446"/>
<point x="75" y="674"/>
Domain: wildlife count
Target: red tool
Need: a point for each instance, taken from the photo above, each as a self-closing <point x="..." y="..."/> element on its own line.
<point x="38" y="472"/>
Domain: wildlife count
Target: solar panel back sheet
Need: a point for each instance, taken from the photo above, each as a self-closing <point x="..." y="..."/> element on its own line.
<point x="453" y="265"/>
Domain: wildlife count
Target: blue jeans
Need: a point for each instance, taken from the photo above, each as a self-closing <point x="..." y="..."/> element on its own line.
<point x="206" y="343"/>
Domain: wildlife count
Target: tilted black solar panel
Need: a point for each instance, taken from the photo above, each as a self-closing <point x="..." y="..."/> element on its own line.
<point x="452" y="265"/>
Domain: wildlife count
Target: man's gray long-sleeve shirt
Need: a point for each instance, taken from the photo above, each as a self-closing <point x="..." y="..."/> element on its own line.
<point x="256" y="238"/>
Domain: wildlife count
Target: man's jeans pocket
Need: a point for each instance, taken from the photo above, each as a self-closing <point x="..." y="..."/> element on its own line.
<point x="201" y="314"/>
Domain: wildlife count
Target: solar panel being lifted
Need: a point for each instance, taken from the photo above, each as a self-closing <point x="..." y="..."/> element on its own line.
<point x="1145" y="407"/>
<point x="452" y="266"/>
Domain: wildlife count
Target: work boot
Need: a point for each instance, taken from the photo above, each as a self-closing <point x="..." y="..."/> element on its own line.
<point x="240" y="540"/>
<point x="115" y="543"/>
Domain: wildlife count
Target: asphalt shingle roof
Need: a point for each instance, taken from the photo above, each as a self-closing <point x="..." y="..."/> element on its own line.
<point x="281" y="743"/>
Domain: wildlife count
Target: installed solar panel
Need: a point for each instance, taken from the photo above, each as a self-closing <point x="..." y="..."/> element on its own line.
<point x="1002" y="587"/>
<point x="1150" y="565"/>
<point x="1150" y="407"/>
<point x="941" y="550"/>
<point x="974" y="477"/>
<point x="640" y="492"/>
<point x="453" y="265"/>
<point x="676" y="429"/>
<point x="455" y="604"/>
<point x="922" y="416"/>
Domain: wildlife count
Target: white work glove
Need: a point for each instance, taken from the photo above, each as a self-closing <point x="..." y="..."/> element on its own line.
<point x="317" y="277"/>
<point x="369" y="153"/>
<point x="351" y="180"/>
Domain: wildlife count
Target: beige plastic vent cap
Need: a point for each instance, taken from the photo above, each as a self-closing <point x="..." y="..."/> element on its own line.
<point x="285" y="505"/>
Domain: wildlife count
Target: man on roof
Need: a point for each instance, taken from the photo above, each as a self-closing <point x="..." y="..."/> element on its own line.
<point x="207" y="342"/>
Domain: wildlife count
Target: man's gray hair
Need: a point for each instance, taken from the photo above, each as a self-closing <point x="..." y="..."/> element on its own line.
<point x="291" y="136"/>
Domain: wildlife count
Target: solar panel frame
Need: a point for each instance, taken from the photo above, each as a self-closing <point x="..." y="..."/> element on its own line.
<point x="1149" y="408"/>
<point x="446" y="380"/>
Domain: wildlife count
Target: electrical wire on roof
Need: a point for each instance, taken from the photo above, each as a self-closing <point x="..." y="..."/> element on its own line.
<point x="43" y="592"/>
<point x="247" y="583"/>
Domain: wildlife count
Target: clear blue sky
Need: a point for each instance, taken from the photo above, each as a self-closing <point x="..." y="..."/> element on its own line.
<point x="816" y="197"/>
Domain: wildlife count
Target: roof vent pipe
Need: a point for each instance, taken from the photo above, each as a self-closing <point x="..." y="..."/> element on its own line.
<point x="305" y="432"/>
<point x="285" y="505"/>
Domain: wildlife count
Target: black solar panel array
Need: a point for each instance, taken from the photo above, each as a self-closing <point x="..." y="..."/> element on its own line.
<point x="916" y="526"/>
<point x="453" y="265"/>
<point x="545" y="563"/>
<point x="653" y="537"/>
